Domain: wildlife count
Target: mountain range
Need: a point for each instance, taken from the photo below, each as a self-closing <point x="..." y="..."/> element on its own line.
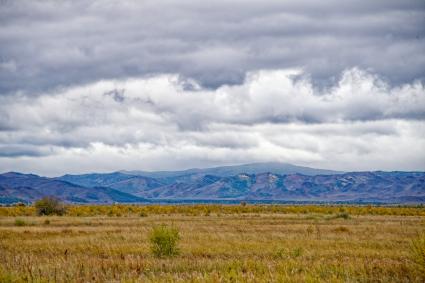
<point x="257" y="182"/>
<point x="252" y="168"/>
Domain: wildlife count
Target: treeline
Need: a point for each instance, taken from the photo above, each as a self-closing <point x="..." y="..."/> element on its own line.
<point x="123" y="210"/>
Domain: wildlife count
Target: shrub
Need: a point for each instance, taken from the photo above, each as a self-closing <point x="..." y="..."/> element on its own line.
<point x="20" y="222"/>
<point x="164" y="241"/>
<point x="310" y="230"/>
<point x="343" y="215"/>
<point x="297" y="252"/>
<point x="49" y="206"/>
<point x="417" y="249"/>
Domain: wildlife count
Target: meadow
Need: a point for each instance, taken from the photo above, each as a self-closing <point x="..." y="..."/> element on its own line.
<point x="218" y="243"/>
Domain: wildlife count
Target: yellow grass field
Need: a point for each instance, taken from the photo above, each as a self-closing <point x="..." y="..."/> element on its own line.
<point x="218" y="243"/>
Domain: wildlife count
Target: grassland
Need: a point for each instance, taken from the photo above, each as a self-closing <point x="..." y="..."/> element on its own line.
<point x="218" y="243"/>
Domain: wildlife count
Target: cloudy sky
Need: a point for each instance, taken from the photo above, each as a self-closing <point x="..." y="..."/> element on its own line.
<point x="155" y="85"/>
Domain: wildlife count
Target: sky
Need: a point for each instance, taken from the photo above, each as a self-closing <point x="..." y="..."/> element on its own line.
<point x="101" y="86"/>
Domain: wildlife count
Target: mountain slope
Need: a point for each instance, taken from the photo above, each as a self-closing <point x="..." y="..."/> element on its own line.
<point x="357" y="186"/>
<point x="29" y="187"/>
<point x="126" y="183"/>
<point x="95" y="179"/>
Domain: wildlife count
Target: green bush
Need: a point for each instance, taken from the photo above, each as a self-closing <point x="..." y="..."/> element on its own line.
<point x="164" y="241"/>
<point x="49" y="206"/>
<point x="20" y="222"/>
<point x="417" y="249"/>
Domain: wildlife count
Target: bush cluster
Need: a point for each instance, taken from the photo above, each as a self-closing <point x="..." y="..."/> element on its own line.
<point x="49" y="206"/>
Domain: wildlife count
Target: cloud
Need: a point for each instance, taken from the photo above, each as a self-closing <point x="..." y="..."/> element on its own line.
<point x="12" y="151"/>
<point x="46" y="45"/>
<point x="166" y="122"/>
<point x="97" y="85"/>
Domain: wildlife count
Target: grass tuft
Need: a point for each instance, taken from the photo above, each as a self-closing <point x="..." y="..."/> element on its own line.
<point x="341" y="229"/>
<point x="20" y="222"/>
<point x="164" y="241"/>
<point x="417" y="249"/>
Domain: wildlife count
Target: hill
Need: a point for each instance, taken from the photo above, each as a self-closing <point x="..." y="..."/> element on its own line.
<point x="29" y="187"/>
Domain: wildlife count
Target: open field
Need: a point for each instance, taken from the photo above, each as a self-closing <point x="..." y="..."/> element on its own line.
<point x="218" y="243"/>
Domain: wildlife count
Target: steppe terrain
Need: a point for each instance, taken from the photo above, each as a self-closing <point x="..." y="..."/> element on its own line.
<point x="237" y="243"/>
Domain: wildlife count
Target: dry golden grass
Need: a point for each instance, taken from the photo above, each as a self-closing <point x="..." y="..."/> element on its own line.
<point x="216" y="246"/>
<point x="131" y="210"/>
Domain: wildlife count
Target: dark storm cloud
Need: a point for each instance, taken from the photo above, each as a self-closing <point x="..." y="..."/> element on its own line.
<point x="13" y="151"/>
<point x="49" y="44"/>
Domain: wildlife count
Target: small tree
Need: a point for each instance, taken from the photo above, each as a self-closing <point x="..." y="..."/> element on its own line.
<point x="49" y="205"/>
<point x="164" y="241"/>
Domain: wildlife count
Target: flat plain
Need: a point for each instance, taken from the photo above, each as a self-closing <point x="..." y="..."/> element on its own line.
<point x="218" y="243"/>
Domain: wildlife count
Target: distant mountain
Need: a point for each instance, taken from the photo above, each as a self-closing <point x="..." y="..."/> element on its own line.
<point x="245" y="182"/>
<point x="390" y="187"/>
<point x="28" y="188"/>
<point x="95" y="179"/>
<point x="123" y="182"/>
<point x="253" y="168"/>
<point x="137" y="182"/>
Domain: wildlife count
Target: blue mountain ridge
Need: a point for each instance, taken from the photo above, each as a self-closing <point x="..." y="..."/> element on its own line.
<point x="27" y="188"/>
<point x="277" y="183"/>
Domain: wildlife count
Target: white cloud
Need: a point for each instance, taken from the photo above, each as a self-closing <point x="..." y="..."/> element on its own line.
<point x="164" y="122"/>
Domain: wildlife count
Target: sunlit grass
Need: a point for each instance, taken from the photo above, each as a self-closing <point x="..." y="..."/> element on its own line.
<point x="262" y="244"/>
<point x="335" y="211"/>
